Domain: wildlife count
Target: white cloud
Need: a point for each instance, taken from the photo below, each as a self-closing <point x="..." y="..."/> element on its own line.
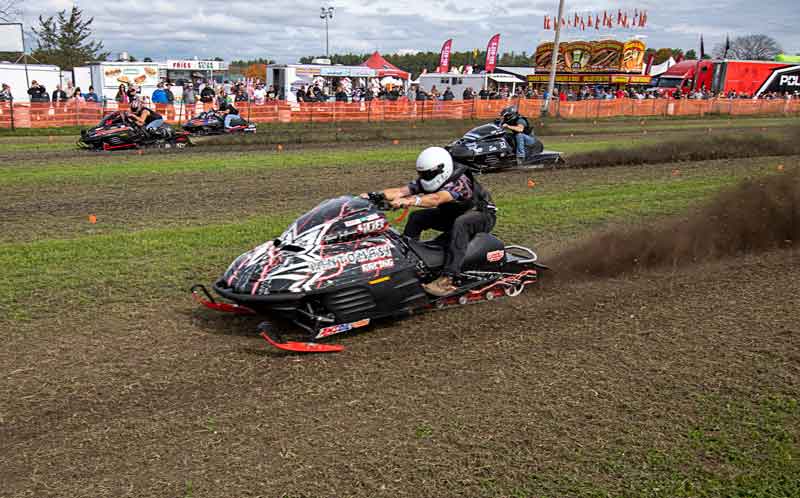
<point x="286" y="30"/>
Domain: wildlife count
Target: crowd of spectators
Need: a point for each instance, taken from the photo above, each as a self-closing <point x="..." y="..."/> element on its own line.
<point x="257" y="92"/>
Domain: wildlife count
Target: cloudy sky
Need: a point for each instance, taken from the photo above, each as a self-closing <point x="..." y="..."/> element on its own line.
<point x="287" y="29"/>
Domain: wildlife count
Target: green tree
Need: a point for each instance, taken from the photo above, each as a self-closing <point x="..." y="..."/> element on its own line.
<point x="691" y="55"/>
<point x="65" y="40"/>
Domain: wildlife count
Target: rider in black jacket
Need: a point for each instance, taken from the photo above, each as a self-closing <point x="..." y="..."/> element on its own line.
<point x="458" y="206"/>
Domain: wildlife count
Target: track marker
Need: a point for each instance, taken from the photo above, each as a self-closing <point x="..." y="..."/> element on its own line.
<point x="279" y="147"/>
<point x="92" y="219"/>
<point x="780" y="167"/>
<point x="395" y="141"/>
<point x="531" y="183"/>
<point x="676" y="172"/>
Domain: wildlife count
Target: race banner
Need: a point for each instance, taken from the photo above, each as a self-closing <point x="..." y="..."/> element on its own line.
<point x="444" y="57"/>
<point x="491" y="53"/>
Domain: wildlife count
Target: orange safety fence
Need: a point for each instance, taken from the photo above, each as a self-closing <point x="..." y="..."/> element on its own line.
<point x="45" y="115"/>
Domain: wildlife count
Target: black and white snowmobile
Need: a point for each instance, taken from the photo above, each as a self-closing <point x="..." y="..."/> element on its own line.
<point x="116" y="131"/>
<point x="341" y="266"/>
<point x="490" y="147"/>
<point x="213" y="123"/>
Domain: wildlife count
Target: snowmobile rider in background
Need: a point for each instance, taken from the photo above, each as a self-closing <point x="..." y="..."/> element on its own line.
<point x="148" y="118"/>
<point x="231" y="113"/>
<point x="514" y="122"/>
<point x="457" y="205"/>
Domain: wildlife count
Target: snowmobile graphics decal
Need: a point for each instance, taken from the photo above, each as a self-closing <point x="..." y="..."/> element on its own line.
<point x="351" y="258"/>
<point x="300" y="260"/>
<point x="495" y="256"/>
<point x="337" y="329"/>
<point x="379" y="265"/>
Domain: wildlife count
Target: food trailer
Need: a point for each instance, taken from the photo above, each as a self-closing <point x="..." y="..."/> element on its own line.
<point x="185" y="70"/>
<point x="107" y="76"/>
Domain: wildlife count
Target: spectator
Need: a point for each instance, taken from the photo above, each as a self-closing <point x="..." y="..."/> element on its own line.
<point x="341" y="95"/>
<point x="77" y="96"/>
<point x="90" y="96"/>
<point x="159" y="95"/>
<point x="188" y="94"/>
<point x="59" y="95"/>
<point x="259" y="94"/>
<point x="38" y="92"/>
<point x="434" y="93"/>
<point x="422" y="94"/>
<point x="241" y="95"/>
<point x="5" y="93"/>
<point x="207" y="94"/>
<point x="122" y="94"/>
<point x="272" y="93"/>
<point x="168" y="92"/>
<point x="483" y="94"/>
<point x="469" y="93"/>
<point x="300" y="95"/>
<point x="448" y="94"/>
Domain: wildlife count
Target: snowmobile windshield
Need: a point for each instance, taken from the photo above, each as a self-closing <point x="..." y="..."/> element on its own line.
<point x="483" y="131"/>
<point x="111" y="119"/>
<point x="332" y="219"/>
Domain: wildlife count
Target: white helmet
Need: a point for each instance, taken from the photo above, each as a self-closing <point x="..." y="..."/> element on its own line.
<point x="434" y="167"/>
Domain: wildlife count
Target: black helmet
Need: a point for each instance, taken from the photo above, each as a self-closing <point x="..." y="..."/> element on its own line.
<point x="509" y="114"/>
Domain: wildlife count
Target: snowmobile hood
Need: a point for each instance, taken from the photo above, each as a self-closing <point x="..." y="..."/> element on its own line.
<point x="483" y="131"/>
<point x="337" y="241"/>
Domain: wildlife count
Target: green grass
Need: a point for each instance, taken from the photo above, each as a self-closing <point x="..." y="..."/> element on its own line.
<point x="737" y="447"/>
<point x="131" y="267"/>
<point x="87" y="171"/>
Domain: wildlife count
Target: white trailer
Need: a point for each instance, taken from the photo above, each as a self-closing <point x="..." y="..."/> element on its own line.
<point x="460" y="82"/>
<point x="14" y="75"/>
<point x="82" y="78"/>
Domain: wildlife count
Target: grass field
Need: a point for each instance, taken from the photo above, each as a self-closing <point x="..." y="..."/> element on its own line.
<point x="676" y="381"/>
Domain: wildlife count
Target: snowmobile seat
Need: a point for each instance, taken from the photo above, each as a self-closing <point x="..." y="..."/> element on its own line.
<point x="431" y="253"/>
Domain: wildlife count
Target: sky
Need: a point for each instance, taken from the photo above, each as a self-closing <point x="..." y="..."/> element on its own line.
<point x="285" y="30"/>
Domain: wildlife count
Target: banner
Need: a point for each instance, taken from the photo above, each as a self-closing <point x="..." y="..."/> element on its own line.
<point x="491" y="53"/>
<point x="593" y="56"/>
<point x="444" y="57"/>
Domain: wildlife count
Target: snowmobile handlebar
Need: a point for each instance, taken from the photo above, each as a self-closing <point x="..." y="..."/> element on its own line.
<point x="382" y="204"/>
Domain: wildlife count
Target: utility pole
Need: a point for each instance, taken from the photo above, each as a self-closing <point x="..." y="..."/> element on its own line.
<point x="553" y="60"/>
<point x="326" y="13"/>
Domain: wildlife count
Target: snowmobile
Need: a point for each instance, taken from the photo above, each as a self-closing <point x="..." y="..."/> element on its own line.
<point x="341" y="266"/>
<point x="118" y="131"/>
<point x="213" y="123"/>
<point x="490" y="147"/>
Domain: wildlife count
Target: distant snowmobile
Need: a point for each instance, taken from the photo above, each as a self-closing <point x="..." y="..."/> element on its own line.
<point x="117" y="131"/>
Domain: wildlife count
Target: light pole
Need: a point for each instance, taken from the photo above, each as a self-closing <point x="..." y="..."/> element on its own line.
<point x="326" y="13"/>
<point x="553" y="61"/>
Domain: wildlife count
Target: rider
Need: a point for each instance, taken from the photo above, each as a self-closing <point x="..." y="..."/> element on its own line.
<point x="226" y="109"/>
<point x="148" y="118"/>
<point x="513" y="121"/>
<point x="457" y="205"/>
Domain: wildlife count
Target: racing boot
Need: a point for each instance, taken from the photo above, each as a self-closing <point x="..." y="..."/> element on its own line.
<point x="442" y="286"/>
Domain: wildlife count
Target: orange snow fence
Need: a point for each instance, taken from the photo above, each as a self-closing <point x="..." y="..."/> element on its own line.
<point x="85" y="114"/>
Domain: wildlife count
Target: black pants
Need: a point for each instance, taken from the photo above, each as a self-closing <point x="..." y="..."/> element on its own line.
<point x="457" y="228"/>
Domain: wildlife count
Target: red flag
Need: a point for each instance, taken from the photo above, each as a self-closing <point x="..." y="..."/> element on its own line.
<point x="605" y="18"/>
<point x="597" y="22"/>
<point x="589" y="21"/>
<point x="643" y="19"/>
<point x="491" y="53"/>
<point x="635" y="19"/>
<point x="546" y="22"/>
<point x="649" y="63"/>
<point x="576" y="21"/>
<point x="625" y="20"/>
<point x="619" y="17"/>
<point x="583" y="25"/>
<point x="444" y="57"/>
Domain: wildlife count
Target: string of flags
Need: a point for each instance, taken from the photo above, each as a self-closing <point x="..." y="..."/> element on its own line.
<point x="588" y="21"/>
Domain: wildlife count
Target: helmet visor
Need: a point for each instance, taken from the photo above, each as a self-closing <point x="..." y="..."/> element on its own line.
<point x="430" y="174"/>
